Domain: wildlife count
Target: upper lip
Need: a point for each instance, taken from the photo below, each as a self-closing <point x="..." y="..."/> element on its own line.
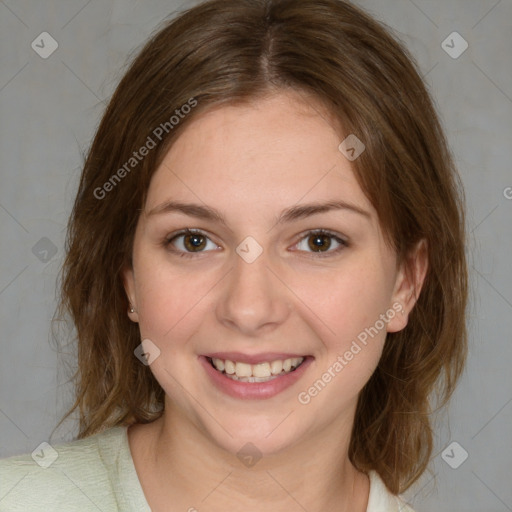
<point x="253" y="358"/>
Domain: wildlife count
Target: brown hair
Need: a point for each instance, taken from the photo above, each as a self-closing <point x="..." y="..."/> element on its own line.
<point x="228" y="51"/>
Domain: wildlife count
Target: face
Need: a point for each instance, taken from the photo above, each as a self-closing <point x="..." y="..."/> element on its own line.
<point x="262" y="276"/>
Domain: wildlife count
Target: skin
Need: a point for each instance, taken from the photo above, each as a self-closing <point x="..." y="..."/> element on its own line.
<point x="250" y="163"/>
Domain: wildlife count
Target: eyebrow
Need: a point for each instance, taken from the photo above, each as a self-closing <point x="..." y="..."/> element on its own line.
<point x="193" y="210"/>
<point x="303" y="211"/>
<point x="289" y="215"/>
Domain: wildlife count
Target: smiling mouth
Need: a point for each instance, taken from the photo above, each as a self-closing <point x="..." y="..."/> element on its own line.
<point x="261" y="372"/>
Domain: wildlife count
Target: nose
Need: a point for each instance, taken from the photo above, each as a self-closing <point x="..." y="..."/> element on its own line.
<point x="253" y="301"/>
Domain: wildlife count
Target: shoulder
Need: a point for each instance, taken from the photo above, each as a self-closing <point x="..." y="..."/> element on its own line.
<point x="68" y="476"/>
<point x="381" y="500"/>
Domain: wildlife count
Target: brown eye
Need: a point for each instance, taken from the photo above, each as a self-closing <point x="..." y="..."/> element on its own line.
<point x="194" y="242"/>
<point x="319" y="242"/>
<point x="189" y="242"/>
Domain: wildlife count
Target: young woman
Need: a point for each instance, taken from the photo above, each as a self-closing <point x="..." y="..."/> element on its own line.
<point x="266" y="273"/>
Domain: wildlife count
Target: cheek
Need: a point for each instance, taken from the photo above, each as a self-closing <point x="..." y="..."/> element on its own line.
<point x="351" y="314"/>
<point x="349" y="302"/>
<point x="171" y="302"/>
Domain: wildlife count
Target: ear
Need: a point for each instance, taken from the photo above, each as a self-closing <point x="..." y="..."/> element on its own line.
<point x="128" y="278"/>
<point x="408" y="285"/>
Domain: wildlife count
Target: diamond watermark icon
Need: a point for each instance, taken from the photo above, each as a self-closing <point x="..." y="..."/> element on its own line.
<point x="44" y="45"/>
<point x="454" y="455"/>
<point x="352" y="147"/>
<point x="147" y="352"/>
<point x="45" y="455"/>
<point x="454" y="45"/>
<point x="249" y="250"/>
<point x="44" y="250"/>
<point x="249" y="455"/>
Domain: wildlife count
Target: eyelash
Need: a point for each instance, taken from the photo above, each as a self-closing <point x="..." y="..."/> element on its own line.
<point x="183" y="254"/>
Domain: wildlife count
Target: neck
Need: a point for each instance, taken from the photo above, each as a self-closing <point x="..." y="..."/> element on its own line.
<point x="179" y="464"/>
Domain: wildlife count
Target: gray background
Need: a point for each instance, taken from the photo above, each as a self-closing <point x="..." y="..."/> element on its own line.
<point x="49" y="109"/>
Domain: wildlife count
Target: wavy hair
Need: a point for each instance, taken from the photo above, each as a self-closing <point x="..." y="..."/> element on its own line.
<point x="231" y="51"/>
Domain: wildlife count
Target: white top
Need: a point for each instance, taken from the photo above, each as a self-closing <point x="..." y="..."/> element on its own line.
<point x="98" y="474"/>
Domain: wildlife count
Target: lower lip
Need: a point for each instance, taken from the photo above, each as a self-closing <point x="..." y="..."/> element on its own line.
<point x="254" y="390"/>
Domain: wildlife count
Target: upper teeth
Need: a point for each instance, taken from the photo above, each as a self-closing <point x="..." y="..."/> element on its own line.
<point x="265" y="369"/>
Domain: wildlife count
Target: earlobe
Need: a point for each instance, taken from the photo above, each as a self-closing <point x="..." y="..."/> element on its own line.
<point x="129" y="286"/>
<point x="409" y="283"/>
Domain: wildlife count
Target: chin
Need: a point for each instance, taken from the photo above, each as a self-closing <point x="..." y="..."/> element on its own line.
<point x="265" y="436"/>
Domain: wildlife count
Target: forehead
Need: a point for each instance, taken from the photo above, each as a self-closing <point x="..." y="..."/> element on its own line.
<point x="272" y="152"/>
